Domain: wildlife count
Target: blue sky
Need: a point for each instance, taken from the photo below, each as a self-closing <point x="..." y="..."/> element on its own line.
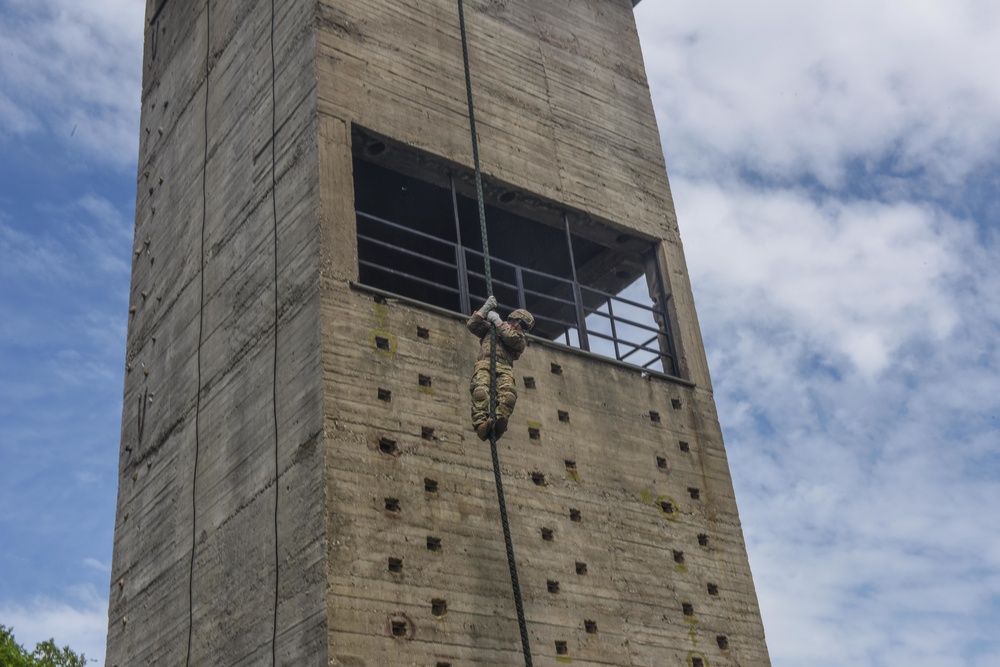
<point x="836" y="172"/>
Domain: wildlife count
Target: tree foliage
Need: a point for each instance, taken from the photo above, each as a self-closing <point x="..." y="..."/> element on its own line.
<point x="46" y="654"/>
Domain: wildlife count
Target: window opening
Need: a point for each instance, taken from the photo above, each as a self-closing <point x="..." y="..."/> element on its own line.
<point x="588" y="285"/>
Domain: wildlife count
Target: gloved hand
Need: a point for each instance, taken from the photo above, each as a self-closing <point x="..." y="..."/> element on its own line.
<point x="490" y="304"/>
<point x="493" y="317"/>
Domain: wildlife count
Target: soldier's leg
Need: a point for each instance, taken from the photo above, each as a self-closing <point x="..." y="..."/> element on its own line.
<point x="479" y="388"/>
<point x="506" y="398"/>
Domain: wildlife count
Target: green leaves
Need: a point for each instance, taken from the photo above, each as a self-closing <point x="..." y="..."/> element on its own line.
<point x="46" y="654"/>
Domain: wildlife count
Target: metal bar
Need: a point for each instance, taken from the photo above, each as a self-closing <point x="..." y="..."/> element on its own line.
<point x="577" y="294"/>
<point x="617" y="298"/>
<point x="463" y="278"/>
<point x="614" y="332"/>
<point x="520" y="288"/>
<point x="666" y="319"/>
<point x="389" y="223"/>
<point x="411" y="253"/>
<point x="410" y="276"/>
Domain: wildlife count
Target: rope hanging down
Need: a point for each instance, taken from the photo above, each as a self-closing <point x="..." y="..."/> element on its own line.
<point x="522" y="624"/>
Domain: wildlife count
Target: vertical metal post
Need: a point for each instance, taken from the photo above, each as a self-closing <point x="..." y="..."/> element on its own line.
<point x="521" y="303"/>
<point x="463" y="273"/>
<point x="665" y="317"/>
<point x="614" y="331"/>
<point x="577" y="295"/>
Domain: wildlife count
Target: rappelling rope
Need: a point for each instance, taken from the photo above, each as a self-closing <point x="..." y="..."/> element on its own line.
<point x="525" y="648"/>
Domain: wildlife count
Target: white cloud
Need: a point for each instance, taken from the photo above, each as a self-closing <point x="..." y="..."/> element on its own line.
<point x="785" y="87"/>
<point x="72" y="70"/>
<point x="80" y="621"/>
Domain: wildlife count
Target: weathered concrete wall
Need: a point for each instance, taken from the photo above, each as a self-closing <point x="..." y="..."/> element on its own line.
<point x="384" y="507"/>
<point x="199" y="472"/>
<point x="564" y="112"/>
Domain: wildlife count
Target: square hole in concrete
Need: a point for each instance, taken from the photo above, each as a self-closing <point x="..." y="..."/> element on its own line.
<point x="433" y="543"/>
<point x="685" y="447"/>
<point x="713" y="589"/>
<point x="654" y="416"/>
<point x="387" y="446"/>
<point x="427" y="433"/>
<point x="574" y="514"/>
<point x="395" y="564"/>
<point x="703" y="539"/>
<point x="529" y="383"/>
<point x="538" y="478"/>
<point x="424" y="380"/>
<point x="430" y="485"/>
<point x="563" y="416"/>
<point x="561" y="648"/>
<point x="678" y="556"/>
<point x="552" y="585"/>
<point x="590" y="626"/>
<point x="687" y="608"/>
<point x="661" y="462"/>
<point x="534" y="433"/>
<point x="382" y="343"/>
<point x="722" y="641"/>
<point x="423" y="332"/>
<point x="384" y="394"/>
<point x="556" y="369"/>
<point x="581" y="568"/>
<point x="392" y="505"/>
<point x="667" y="507"/>
<point x="675" y="403"/>
<point x="439" y="607"/>
<point x="695" y="493"/>
<point x="399" y="629"/>
<point x="547" y="534"/>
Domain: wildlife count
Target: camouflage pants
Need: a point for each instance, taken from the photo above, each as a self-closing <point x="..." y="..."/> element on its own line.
<point x="479" y="387"/>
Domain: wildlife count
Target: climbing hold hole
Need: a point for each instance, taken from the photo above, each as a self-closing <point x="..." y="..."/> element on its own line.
<point x="581" y="568"/>
<point x="678" y="556"/>
<point x="423" y="332"/>
<point x="381" y="342"/>
<point x="395" y="564"/>
<point x="667" y="507"/>
<point x="685" y="447"/>
<point x="426" y="432"/>
<point x="574" y="514"/>
<point x="703" y="539"/>
<point x="654" y="416"/>
<point x="675" y="403"/>
<point x="661" y="463"/>
<point x="424" y="380"/>
<point x="722" y="641"/>
<point x="433" y="543"/>
<point x="547" y="534"/>
<point x="570" y="467"/>
<point x="534" y="433"/>
<point x="687" y="608"/>
<point x="443" y="664"/>
<point x="556" y="369"/>
<point x="713" y="589"/>
<point x="384" y="394"/>
<point x="563" y="416"/>
<point x="392" y="504"/>
<point x="695" y="493"/>
<point x="387" y="446"/>
<point x="590" y="626"/>
<point x="529" y="383"/>
<point x="697" y="662"/>
<point x="430" y="485"/>
<point x="552" y="585"/>
<point x="399" y="628"/>
<point x="561" y="648"/>
<point x="538" y="478"/>
<point x="439" y="607"/>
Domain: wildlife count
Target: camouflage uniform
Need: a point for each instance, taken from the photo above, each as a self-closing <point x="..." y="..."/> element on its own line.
<point x="510" y="345"/>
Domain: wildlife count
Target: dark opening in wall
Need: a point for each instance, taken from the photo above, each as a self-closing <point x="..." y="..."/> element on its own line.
<point x="443" y="664"/>
<point x="654" y="416"/>
<point x="678" y="556"/>
<point x="395" y="564"/>
<point x="561" y="648"/>
<point x="685" y="447"/>
<point x="424" y="380"/>
<point x="687" y="608"/>
<point x="722" y="641"/>
<point x="667" y="507"/>
<point x="589" y="284"/>
<point x="433" y="543"/>
<point x="556" y="369"/>
<point x="392" y="505"/>
<point x="534" y="433"/>
<point x="581" y="568"/>
<point x="661" y="462"/>
<point x="399" y="629"/>
<point x="697" y="662"/>
<point x="563" y="415"/>
<point x="529" y="383"/>
<point x="590" y="626"/>
<point x="426" y="433"/>
<point x="703" y="539"/>
<point x="695" y="493"/>
<point x="538" y="478"/>
<point x="574" y="514"/>
<point x="384" y="394"/>
<point x="547" y="534"/>
<point x="430" y="485"/>
<point x="387" y="446"/>
<point x="423" y="332"/>
<point x="552" y="586"/>
<point x="675" y="403"/>
<point x="713" y="589"/>
<point x="439" y="607"/>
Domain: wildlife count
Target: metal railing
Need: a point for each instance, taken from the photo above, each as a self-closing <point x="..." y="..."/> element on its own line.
<point x="447" y="274"/>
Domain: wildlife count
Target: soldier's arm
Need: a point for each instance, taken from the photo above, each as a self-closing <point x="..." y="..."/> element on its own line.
<point x="477" y="325"/>
<point x="511" y="337"/>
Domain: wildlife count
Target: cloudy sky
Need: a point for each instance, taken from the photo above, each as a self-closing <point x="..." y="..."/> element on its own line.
<point x="836" y="172"/>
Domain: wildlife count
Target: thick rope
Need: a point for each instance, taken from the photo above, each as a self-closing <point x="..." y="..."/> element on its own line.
<point x="508" y="543"/>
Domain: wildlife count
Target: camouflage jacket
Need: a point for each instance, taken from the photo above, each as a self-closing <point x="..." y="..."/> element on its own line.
<point x="510" y="341"/>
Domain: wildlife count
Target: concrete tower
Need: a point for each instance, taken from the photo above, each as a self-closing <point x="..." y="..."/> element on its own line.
<point x="299" y="483"/>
